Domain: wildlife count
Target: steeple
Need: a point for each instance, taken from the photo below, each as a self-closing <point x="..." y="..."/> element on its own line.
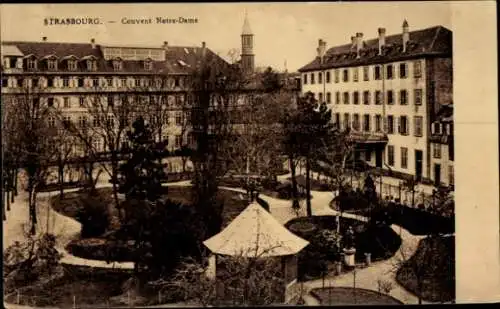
<point x="246" y="26"/>
<point x="247" y="56"/>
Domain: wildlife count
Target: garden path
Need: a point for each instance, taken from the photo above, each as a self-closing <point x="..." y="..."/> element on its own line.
<point x="67" y="228"/>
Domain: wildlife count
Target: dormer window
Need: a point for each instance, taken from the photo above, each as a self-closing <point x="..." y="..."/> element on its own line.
<point x="91" y="65"/>
<point x="31" y="63"/>
<point x="72" y="65"/>
<point x="52" y="64"/>
<point x="148" y="65"/>
<point x="117" y="65"/>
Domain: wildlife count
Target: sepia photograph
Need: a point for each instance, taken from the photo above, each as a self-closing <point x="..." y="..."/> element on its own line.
<point x="238" y="154"/>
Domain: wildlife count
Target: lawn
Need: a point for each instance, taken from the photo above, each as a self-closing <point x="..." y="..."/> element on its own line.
<point x="435" y="260"/>
<point x="95" y="242"/>
<point x="340" y="296"/>
<point x="89" y="289"/>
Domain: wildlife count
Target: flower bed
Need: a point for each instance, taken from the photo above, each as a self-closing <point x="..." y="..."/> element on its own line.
<point x="342" y="296"/>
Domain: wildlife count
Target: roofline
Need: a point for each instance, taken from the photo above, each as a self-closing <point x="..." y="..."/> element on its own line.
<point x="360" y="62"/>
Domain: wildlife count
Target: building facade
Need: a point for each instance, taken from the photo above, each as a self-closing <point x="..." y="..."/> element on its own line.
<point x="388" y="92"/>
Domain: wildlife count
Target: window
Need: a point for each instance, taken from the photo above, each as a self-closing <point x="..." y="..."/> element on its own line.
<point x="345" y="76"/>
<point x="4" y="82"/>
<point x="50" y="102"/>
<point x="52" y="64"/>
<point x="417" y="68"/>
<point x="337" y="120"/>
<point x="376" y="72"/>
<point x="366" y="71"/>
<point x="390" y="155"/>
<point x="82" y="121"/>
<point x="50" y="82"/>
<point x="67" y="103"/>
<point x="355" y="97"/>
<point x="355" y="74"/>
<point x="355" y="122"/>
<point x="109" y="81"/>
<point x="81" y="81"/>
<point x="436" y="152"/>
<point x="346" y="97"/>
<point x="51" y="122"/>
<point x="178" y="140"/>
<point x="95" y="82"/>
<point x="305" y="79"/>
<point x="337" y="75"/>
<point x="320" y="97"/>
<point x="72" y="65"/>
<point x="328" y="77"/>
<point x="82" y="101"/>
<point x="148" y="65"/>
<point x="390" y="71"/>
<point x="402" y="70"/>
<point x="390" y="124"/>
<point x="451" y="176"/>
<point x="110" y="121"/>
<point x="31" y="64"/>
<point x="366" y="123"/>
<point x="366" y="97"/>
<point x="337" y="97"/>
<point x="20" y="82"/>
<point x="312" y="79"/>
<point x="404" y="157"/>
<point x="178" y="118"/>
<point x="123" y="82"/>
<point x="378" y="123"/>
<point x="92" y="65"/>
<point x="111" y="101"/>
<point x="418" y="96"/>
<point x="328" y="97"/>
<point x="390" y="97"/>
<point x="418" y="121"/>
<point x="96" y="121"/>
<point x="35" y="82"/>
<point x="403" y="125"/>
<point x="117" y="65"/>
<point x="378" y="97"/>
<point x="403" y="97"/>
<point x="320" y="78"/>
<point x="65" y="82"/>
<point x="177" y="82"/>
<point x="346" y="121"/>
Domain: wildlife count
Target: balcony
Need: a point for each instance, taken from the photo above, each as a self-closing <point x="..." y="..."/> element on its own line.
<point x="368" y="137"/>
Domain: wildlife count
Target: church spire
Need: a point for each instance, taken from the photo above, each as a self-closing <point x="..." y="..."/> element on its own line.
<point x="247" y="55"/>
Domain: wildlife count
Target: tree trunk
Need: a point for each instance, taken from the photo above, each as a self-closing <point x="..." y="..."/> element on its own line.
<point x="61" y="180"/>
<point x="8" y="192"/>
<point x="114" y="178"/>
<point x="32" y="207"/>
<point x="4" y="216"/>
<point x="294" y="182"/>
<point x="308" y="187"/>
<point x="15" y="181"/>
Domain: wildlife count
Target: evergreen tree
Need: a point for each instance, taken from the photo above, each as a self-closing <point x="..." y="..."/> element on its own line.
<point x="141" y="175"/>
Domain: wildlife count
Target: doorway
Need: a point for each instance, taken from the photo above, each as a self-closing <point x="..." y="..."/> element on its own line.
<point x="418" y="164"/>
<point x="437" y="174"/>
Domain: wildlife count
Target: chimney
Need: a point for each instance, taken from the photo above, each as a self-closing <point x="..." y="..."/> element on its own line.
<point x="353" y="41"/>
<point x="165" y="45"/>
<point x="321" y="49"/>
<point x="92" y="41"/>
<point x="44" y="39"/>
<point x="381" y="39"/>
<point x="203" y="49"/>
<point x="359" y="43"/>
<point x="406" y="35"/>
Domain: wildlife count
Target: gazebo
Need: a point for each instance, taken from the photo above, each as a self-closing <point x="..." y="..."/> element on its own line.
<point x="256" y="233"/>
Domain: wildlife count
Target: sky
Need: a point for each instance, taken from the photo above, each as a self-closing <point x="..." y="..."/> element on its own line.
<point x="283" y="32"/>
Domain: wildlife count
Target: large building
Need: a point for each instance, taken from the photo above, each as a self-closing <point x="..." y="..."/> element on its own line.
<point x="390" y="92"/>
<point x="77" y="78"/>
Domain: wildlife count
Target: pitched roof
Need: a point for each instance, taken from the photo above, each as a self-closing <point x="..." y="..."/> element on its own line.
<point x="9" y="50"/>
<point x="425" y="42"/>
<point x="255" y="233"/>
<point x="246" y="27"/>
<point x="179" y="59"/>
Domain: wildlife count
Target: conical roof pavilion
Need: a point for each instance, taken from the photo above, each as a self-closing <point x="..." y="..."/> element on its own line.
<point x="255" y="233"/>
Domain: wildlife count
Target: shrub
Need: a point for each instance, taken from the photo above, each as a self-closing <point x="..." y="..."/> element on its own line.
<point x="94" y="214"/>
<point x="302" y="228"/>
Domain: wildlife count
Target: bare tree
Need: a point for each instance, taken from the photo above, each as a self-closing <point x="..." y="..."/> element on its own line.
<point x="27" y="127"/>
<point x="240" y="280"/>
